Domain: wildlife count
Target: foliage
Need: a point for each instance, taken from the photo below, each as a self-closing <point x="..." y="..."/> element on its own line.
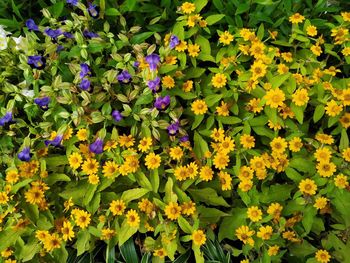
<point x="177" y="127"/>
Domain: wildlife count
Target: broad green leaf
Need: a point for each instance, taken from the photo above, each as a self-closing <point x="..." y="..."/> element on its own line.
<point x="208" y="196"/>
<point x="133" y="194"/>
<point x="212" y="19"/>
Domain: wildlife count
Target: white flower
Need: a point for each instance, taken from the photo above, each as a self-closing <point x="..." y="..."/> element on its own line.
<point x="20" y="43"/>
<point x="28" y="93"/>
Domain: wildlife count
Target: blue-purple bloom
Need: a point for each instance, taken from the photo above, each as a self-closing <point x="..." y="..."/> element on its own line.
<point x="53" y="33"/>
<point x="173" y="128"/>
<point x="24" y="155"/>
<point x="162" y="103"/>
<point x="184" y="138"/>
<point x="84" y="70"/>
<point x="97" y="146"/>
<point x="154" y="84"/>
<point x="37" y="62"/>
<point x="124" y="76"/>
<point x="174" y="41"/>
<point x="117" y="116"/>
<point x="136" y="64"/>
<point x="6" y="118"/>
<point x="68" y="35"/>
<point x="59" y="48"/>
<point x="85" y="84"/>
<point x="72" y="2"/>
<point x="153" y="61"/>
<point x="89" y="34"/>
<point x="42" y="102"/>
<point x="30" y="24"/>
<point x="55" y="142"/>
<point x="93" y="10"/>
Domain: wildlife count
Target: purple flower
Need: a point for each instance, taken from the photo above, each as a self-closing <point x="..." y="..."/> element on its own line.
<point x="124" y="76"/>
<point x="174" y="41"/>
<point x="97" y="146"/>
<point x="136" y="64"/>
<point x="117" y="115"/>
<point x="55" y="142"/>
<point x="153" y="61"/>
<point x="84" y="70"/>
<point x="162" y="103"/>
<point x="154" y="84"/>
<point x="24" y="155"/>
<point x="89" y="34"/>
<point x="30" y="24"/>
<point x="42" y="102"/>
<point x="93" y="10"/>
<point x="59" y="48"/>
<point x="68" y="35"/>
<point x="184" y="138"/>
<point x="53" y="33"/>
<point x="6" y="118"/>
<point x="72" y="2"/>
<point x="173" y="128"/>
<point x="37" y="62"/>
<point x="85" y="84"/>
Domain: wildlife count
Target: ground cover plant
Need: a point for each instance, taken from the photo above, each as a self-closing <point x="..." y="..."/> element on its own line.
<point x="171" y="131"/>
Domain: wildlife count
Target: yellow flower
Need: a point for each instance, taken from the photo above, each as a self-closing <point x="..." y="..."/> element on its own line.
<point x="206" y="173"/>
<point x="181" y="47"/>
<point x="4" y="198"/>
<point x="68" y="204"/>
<point x="188" y="208"/>
<point x="322" y="256"/>
<point x="111" y="144"/>
<point x="295" y="144"/>
<point x="6" y="253"/>
<point x="107" y="233"/>
<point x="245" y="173"/>
<point x="300" y="97"/>
<point x="219" y="80"/>
<point x="168" y="82"/>
<point x="257" y="163"/>
<point x="311" y="31"/>
<point x="199" y="237"/>
<point x="296" y="18"/>
<point x="12" y="176"/>
<point x="152" y="161"/>
<point x="181" y="173"/>
<point x="52" y="242"/>
<point x="133" y="219"/>
<point x="345" y="120"/>
<point x="287" y="56"/>
<point x="82" y="219"/>
<point x="192" y="19"/>
<point x="117" y="207"/>
<point x="90" y="166"/>
<point x="326" y="169"/>
<point x="244" y="234"/>
<point x="257" y="49"/>
<point x="35" y="195"/>
<point x="226" y="145"/>
<point x="161" y="253"/>
<point x="275" y="209"/>
<point x="67" y="134"/>
<point x="265" y="232"/>
<point x="273" y="250"/>
<point x="323" y="155"/>
<point x="324" y="138"/>
<point x="346" y="154"/>
<point x="41" y="234"/>
<point x="193" y="50"/>
<point x="316" y="50"/>
<point x="223" y="110"/>
<point x="176" y="153"/>
<point x="225" y="180"/>
<point x="221" y="160"/>
<point x="146" y="206"/>
<point x="110" y="168"/>
<point x="93" y="179"/>
<point x="346" y="51"/>
<point x="202" y="23"/>
<point x="320" y="202"/>
<point x="258" y="69"/>
<point x="341" y="181"/>
<point x="187" y="86"/>
<point x="308" y="186"/>
<point x="199" y="107"/>
<point x="217" y="134"/>
<point x="126" y="140"/>
<point x="247" y="34"/>
<point x="275" y="98"/>
<point x="254" y="213"/>
<point x="225" y="38"/>
<point x="67" y="231"/>
<point x="282" y="69"/>
<point x="188" y="7"/>
<point x="278" y="145"/>
<point x="245" y="185"/>
<point x="170" y="60"/>
<point x="145" y="144"/>
<point x="172" y="211"/>
<point x="75" y="160"/>
<point x="346" y="16"/>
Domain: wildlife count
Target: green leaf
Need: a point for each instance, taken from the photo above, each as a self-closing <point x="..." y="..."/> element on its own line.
<point x="154" y="178"/>
<point x="230" y="223"/>
<point x="133" y="194"/>
<point x="242" y="8"/>
<point x="89" y="193"/>
<point x="228" y="120"/>
<point x="184" y="225"/>
<point x="208" y="196"/>
<point x="200" y="145"/>
<point x="200" y="4"/>
<point x="318" y="113"/>
<point x="197" y="121"/>
<point x="82" y="242"/>
<point x="344" y="140"/>
<point x="298" y="111"/>
<point x="302" y="165"/>
<point x="53" y="178"/>
<point x="195" y="72"/>
<point x="212" y="19"/>
<point x="212" y="99"/>
<point x="140" y="38"/>
<point x="128" y="251"/>
<point x="204" y="44"/>
<point x="308" y="218"/>
<point x="8" y="237"/>
<point x="126" y="232"/>
<point x="112" y="12"/>
<point x="57" y="9"/>
<point x="302" y="250"/>
<point x="293" y="174"/>
<point x="277" y="81"/>
<point x="29" y="250"/>
<point x="276" y="193"/>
